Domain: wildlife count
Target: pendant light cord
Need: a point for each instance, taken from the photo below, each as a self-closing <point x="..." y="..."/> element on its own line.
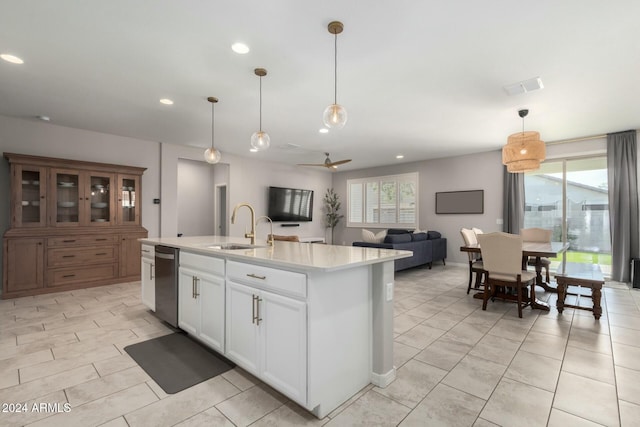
<point x="260" y="103"/>
<point x="335" y="69"/>
<point x="213" y="122"/>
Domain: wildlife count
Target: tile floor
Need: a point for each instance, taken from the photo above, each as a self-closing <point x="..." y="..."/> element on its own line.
<point x="457" y="365"/>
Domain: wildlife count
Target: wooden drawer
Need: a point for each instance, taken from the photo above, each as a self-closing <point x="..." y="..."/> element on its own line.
<point x="64" y="276"/>
<point x="82" y="240"/>
<point x="203" y="263"/>
<point x="280" y="281"/>
<point x="76" y="256"/>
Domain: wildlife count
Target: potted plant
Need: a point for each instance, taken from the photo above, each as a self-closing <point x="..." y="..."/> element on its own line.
<point x="331" y="206"/>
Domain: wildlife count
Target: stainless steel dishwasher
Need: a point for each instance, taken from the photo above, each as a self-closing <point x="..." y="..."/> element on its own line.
<point x="167" y="284"/>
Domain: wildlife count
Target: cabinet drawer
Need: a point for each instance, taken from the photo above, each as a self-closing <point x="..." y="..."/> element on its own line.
<point x="75" y="256"/>
<point x="82" y="240"/>
<point x="204" y="263"/>
<point x="281" y="281"/>
<point x="148" y="251"/>
<point x="64" y="276"/>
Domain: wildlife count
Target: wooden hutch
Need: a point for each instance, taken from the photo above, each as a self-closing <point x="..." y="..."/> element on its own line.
<point x="74" y="224"/>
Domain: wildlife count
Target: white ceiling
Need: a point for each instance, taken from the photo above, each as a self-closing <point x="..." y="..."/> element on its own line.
<point x="420" y="78"/>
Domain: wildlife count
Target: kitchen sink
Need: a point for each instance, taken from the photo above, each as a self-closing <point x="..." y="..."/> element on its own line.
<point x="233" y="246"/>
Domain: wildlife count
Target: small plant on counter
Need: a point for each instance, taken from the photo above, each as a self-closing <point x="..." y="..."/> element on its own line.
<point x="331" y="206"/>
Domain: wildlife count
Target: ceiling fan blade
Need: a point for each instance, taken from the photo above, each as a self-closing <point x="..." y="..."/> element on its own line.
<point x="339" y="162"/>
<point x="312" y="164"/>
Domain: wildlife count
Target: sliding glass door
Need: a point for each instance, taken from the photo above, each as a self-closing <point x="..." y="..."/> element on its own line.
<point x="570" y="196"/>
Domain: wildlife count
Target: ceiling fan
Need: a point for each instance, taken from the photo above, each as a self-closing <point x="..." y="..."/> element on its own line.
<point x="327" y="163"/>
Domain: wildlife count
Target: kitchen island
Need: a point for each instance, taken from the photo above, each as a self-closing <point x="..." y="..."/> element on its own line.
<point x="314" y="321"/>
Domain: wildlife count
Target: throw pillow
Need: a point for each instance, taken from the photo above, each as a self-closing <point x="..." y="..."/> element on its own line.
<point x="398" y="231"/>
<point x="433" y="235"/>
<point x="398" y="238"/>
<point x="417" y="237"/>
<point x="369" y="237"/>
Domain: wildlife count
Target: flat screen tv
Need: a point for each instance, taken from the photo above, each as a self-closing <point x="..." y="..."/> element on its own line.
<point x="290" y="204"/>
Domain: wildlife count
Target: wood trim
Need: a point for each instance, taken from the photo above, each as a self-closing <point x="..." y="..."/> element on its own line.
<point x="72" y="164"/>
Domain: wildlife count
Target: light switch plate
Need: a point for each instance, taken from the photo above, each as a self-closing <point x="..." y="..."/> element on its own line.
<point x="389" y="296"/>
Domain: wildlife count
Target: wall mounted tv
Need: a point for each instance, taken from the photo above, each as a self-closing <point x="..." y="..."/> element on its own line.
<point x="290" y="204"/>
<point x="460" y="202"/>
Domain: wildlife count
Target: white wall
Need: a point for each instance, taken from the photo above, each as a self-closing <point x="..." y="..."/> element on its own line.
<point x="196" y="190"/>
<point x="249" y="180"/>
<point x="481" y="171"/>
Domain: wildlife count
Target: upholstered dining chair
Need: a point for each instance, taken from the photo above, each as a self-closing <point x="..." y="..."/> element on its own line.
<point x="292" y="238"/>
<point x="475" y="261"/>
<point x="502" y="260"/>
<point x="537" y="235"/>
<point x="477" y="231"/>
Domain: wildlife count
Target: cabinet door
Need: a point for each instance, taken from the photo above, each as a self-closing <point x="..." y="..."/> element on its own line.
<point x="130" y="252"/>
<point x="66" y="198"/>
<point x="128" y="208"/>
<point x="24" y="263"/>
<point x="28" y="196"/>
<point x="188" y="302"/>
<point x="283" y="344"/>
<point x="241" y="329"/>
<point x="147" y="274"/>
<point x="99" y="209"/>
<point x="211" y="290"/>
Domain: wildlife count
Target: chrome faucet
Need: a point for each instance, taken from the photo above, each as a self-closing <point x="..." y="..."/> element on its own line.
<point x="251" y="235"/>
<point x="270" y="236"/>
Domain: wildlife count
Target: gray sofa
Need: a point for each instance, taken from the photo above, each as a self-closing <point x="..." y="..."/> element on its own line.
<point x="426" y="247"/>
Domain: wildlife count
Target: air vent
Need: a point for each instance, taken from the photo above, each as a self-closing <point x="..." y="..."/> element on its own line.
<point x="524" y="86"/>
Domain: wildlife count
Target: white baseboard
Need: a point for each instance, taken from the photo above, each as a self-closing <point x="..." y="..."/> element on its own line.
<point x="383" y="380"/>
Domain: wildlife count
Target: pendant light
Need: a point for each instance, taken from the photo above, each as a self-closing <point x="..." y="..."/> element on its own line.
<point x="260" y="140"/>
<point x="524" y="151"/>
<point x="335" y="115"/>
<point x="211" y="155"/>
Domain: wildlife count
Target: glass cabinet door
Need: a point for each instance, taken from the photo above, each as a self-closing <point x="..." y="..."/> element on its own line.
<point x="128" y="208"/>
<point x="30" y="209"/>
<point x="67" y="197"/>
<point x="99" y="198"/>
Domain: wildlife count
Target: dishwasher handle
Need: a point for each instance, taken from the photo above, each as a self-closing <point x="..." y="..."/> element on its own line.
<point x="165" y="256"/>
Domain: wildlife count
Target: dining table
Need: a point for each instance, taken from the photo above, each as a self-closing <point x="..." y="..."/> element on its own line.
<point x="537" y="250"/>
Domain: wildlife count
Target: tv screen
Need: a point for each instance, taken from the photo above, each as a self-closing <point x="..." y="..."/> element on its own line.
<point x="290" y="204"/>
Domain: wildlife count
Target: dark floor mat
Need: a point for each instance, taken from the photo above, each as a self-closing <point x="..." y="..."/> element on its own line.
<point x="177" y="362"/>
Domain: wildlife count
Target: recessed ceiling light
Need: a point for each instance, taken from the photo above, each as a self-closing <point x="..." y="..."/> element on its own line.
<point x="44" y="118"/>
<point x="11" y="58"/>
<point x="166" y="101"/>
<point x="240" y="48"/>
<point x="400" y="156"/>
<point x="253" y="150"/>
<point x="324" y="130"/>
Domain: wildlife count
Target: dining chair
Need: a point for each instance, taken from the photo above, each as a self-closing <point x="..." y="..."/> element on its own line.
<point x="537" y="235"/>
<point x="475" y="261"/>
<point x="502" y="260"/>
<point x="292" y="238"/>
<point x="477" y="231"/>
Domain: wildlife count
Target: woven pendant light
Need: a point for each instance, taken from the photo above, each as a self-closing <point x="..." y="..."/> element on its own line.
<point x="524" y="150"/>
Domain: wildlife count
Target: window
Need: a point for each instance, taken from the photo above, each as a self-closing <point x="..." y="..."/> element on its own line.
<point x="570" y="197"/>
<point x="383" y="201"/>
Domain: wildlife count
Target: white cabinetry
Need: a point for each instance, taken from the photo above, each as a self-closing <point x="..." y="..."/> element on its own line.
<point x="201" y="298"/>
<point x="267" y="332"/>
<point x="147" y="276"/>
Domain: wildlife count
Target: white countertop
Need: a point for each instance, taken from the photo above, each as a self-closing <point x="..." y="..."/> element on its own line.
<point x="293" y="256"/>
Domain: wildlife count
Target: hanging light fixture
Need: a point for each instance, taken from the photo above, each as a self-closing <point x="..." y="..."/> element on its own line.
<point x="335" y="115"/>
<point x="524" y="151"/>
<point x="211" y="155"/>
<point x="260" y="140"/>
